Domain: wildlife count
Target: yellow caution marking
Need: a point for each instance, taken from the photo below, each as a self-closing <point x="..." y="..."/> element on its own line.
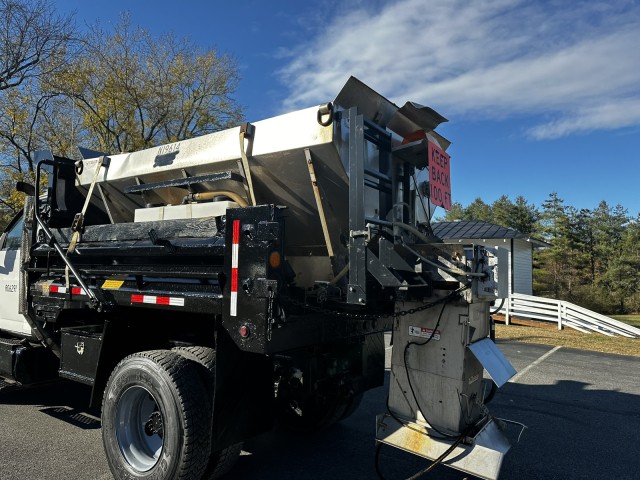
<point x="112" y="284"/>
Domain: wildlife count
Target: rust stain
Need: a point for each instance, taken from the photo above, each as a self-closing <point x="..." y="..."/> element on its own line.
<point x="416" y="441"/>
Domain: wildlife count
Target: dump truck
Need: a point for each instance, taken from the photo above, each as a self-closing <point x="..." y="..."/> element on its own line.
<point x="210" y="288"/>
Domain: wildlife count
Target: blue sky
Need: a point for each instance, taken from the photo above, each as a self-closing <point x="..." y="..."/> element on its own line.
<point x="541" y="96"/>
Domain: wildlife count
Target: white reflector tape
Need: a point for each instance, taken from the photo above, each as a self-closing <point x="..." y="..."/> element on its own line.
<point x="234" y="304"/>
<point x="234" y="255"/>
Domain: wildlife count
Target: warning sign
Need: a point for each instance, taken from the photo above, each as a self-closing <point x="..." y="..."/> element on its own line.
<point x="440" y="176"/>
<point x="424" y="332"/>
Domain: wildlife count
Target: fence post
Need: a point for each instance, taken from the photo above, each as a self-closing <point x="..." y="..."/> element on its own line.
<point x="507" y="316"/>
<point x="560" y="315"/>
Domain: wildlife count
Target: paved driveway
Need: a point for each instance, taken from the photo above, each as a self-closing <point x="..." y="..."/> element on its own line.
<point x="582" y="410"/>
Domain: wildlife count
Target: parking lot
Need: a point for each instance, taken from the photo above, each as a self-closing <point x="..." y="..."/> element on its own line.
<point x="582" y="410"/>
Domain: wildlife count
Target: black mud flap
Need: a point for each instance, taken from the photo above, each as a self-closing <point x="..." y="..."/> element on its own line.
<point x="243" y="398"/>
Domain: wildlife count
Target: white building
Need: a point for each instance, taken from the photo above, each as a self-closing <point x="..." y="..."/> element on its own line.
<point x="519" y="245"/>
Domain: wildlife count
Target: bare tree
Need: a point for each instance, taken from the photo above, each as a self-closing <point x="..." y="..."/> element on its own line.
<point x="134" y="90"/>
<point x="33" y="40"/>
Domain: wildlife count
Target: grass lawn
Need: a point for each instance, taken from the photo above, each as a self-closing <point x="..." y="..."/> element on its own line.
<point x="630" y="319"/>
<point x="528" y="331"/>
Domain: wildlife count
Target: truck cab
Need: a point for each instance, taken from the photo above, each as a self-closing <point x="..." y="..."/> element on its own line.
<point x="10" y="253"/>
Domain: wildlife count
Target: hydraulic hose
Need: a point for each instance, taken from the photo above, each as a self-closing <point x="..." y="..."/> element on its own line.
<point x="204" y="196"/>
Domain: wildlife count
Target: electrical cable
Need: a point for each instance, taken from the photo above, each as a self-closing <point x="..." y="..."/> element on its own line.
<point x="414" y="230"/>
<point x="442" y="457"/>
<point x="442" y="267"/>
<point x="499" y="308"/>
<point x="406" y="369"/>
<point x="442" y="301"/>
<point x="435" y="463"/>
<point x="458" y="438"/>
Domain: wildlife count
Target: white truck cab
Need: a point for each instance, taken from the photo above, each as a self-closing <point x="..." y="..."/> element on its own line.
<point x="10" y="241"/>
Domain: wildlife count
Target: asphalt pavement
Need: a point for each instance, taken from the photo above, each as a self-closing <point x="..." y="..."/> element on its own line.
<point x="581" y="409"/>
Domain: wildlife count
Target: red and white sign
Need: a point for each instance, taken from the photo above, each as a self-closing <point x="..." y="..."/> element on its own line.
<point x="440" y="176"/>
<point x="423" y="332"/>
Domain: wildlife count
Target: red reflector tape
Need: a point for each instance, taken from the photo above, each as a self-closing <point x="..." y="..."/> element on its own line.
<point x="233" y="311"/>
<point x="61" y="289"/>
<point x="155" y="300"/>
<point x="236" y="232"/>
<point x="234" y="279"/>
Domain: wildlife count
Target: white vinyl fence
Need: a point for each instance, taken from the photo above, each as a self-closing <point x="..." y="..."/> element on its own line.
<point x="565" y="314"/>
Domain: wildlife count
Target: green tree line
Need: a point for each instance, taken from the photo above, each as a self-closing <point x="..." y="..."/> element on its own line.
<point x="111" y="90"/>
<point x="593" y="257"/>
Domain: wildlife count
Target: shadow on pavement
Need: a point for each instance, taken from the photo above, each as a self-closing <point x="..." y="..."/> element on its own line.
<point x="575" y="431"/>
<point x="61" y="399"/>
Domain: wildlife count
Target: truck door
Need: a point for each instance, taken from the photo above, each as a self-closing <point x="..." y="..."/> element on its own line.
<point x="10" y="319"/>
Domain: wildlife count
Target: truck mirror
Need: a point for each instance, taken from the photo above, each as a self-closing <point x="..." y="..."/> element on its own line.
<point x="25" y="187"/>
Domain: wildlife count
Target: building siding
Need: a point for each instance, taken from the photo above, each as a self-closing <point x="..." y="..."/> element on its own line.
<point x="522" y="259"/>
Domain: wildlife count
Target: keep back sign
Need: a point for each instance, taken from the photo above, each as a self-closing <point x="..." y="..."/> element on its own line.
<point x="440" y="176"/>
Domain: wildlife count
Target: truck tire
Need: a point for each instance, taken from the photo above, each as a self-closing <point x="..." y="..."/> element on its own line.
<point x="222" y="460"/>
<point x="154" y="424"/>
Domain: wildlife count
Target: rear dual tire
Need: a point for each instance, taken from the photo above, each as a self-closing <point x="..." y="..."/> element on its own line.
<point x="221" y="460"/>
<point x="155" y="425"/>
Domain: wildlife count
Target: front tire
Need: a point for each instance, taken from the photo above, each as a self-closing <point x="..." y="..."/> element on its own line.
<point x="154" y="422"/>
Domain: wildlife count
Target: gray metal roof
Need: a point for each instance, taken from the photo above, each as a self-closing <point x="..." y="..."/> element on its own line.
<point x="479" y="230"/>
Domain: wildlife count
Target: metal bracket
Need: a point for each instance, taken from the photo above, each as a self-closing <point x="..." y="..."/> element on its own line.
<point x="247" y="130"/>
<point x="380" y="272"/>
<point x="78" y="222"/>
<point x="316" y="194"/>
<point x="357" y="293"/>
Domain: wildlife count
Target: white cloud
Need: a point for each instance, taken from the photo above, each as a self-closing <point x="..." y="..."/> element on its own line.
<point x="616" y="114"/>
<point x="575" y="62"/>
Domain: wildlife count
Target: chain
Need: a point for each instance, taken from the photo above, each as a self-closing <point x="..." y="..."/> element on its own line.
<point x="370" y="316"/>
<point x="270" y="318"/>
<point x="327" y="311"/>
